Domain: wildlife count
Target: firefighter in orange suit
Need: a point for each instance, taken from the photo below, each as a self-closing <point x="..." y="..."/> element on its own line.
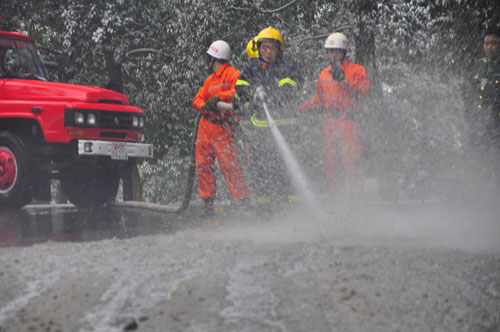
<point x="339" y="90"/>
<point x="216" y="129"/>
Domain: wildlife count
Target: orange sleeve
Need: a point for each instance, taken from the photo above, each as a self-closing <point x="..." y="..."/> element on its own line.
<point x="231" y="79"/>
<point x="201" y="97"/>
<point x="359" y="82"/>
<point x="316" y="102"/>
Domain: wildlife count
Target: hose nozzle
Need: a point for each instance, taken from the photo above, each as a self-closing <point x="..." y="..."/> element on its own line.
<point x="260" y="93"/>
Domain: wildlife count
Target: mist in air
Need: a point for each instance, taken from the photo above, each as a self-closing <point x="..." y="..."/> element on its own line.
<point x="424" y="186"/>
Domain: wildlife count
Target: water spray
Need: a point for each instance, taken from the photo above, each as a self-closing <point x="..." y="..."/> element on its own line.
<point x="298" y="177"/>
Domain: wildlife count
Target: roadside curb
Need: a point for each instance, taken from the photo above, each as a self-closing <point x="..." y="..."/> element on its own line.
<point x="171" y="208"/>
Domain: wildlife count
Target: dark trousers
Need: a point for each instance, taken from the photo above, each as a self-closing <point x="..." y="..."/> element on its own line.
<point x="483" y="157"/>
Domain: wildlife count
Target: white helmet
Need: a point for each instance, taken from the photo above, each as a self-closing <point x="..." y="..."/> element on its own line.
<point x="337" y="40"/>
<point x="220" y="50"/>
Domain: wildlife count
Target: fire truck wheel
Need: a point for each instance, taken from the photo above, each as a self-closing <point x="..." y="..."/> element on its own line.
<point x="91" y="183"/>
<point x="16" y="174"/>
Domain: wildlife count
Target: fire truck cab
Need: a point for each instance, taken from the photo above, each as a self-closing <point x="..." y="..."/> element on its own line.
<point x="78" y="134"/>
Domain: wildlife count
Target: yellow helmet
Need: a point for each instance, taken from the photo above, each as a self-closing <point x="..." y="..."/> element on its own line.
<point x="252" y="49"/>
<point x="270" y="34"/>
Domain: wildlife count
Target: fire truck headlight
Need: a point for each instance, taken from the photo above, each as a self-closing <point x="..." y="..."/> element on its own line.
<point x="79" y="118"/>
<point x="141" y="122"/>
<point x="135" y="121"/>
<point x="91" y="119"/>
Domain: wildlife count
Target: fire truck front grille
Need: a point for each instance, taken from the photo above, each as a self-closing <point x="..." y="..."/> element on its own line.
<point x="115" y="120"/>
<point x="103" y="119"/>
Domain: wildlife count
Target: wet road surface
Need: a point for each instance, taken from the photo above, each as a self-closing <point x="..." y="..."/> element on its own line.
<point x="356" y="267"/>
<point x="64" y="222"/>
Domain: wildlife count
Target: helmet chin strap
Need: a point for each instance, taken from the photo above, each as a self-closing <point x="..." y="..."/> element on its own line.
<point x="211" y="64"/>
<point x="343" y="56"/>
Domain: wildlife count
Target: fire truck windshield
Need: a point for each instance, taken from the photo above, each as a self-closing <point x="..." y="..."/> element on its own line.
<point x="19" y="59"/>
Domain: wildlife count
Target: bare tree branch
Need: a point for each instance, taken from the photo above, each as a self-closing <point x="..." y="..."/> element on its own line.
<point x="50" y="49"/>
<point x="141" y="50"/>
<point x="269" y="11"/>
<point x="272" y="11"/>
<point x="51" y="64"/>
<point x="235" y="30"/>
<point x="325" y="34"/>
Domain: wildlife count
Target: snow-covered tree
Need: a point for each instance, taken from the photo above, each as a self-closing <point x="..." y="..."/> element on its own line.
<point x="418" y="54"/>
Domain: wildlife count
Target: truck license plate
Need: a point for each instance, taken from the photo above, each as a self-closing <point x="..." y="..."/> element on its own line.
<point x="119" y="151"/>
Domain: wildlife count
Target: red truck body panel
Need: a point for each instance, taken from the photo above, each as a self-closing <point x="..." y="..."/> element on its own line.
<point x="46" y="102"/>
<point x="18" y="89"/>
<point x="18" y="98"/>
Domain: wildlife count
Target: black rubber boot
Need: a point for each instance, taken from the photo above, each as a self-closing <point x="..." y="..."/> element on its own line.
<point x="208" y="209"/>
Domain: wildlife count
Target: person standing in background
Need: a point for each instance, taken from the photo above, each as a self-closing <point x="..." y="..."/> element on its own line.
<point x="483" y="116"/>
<point x="339" y="91"/>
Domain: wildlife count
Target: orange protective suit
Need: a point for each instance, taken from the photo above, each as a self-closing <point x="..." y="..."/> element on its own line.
<point x="216" y="136"/>
<point x="342" y="142"/>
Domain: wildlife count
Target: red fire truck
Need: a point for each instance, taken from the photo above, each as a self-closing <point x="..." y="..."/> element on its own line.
<point x="78" y="134"/>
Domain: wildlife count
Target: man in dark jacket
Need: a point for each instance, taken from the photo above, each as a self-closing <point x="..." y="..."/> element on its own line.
<point x="484" y="115"/>
<point x="271" y="80"/>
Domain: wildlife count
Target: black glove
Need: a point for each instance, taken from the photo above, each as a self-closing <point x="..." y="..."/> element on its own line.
<point x="211" y="104"/>
<point x="238" y="109"/>
<point x="242" y="109"/>
<point x="337" y="73"/>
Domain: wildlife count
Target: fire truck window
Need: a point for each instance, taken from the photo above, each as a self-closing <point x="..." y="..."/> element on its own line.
<point x="18" y="62"/>
<point x="2" y="56"/>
